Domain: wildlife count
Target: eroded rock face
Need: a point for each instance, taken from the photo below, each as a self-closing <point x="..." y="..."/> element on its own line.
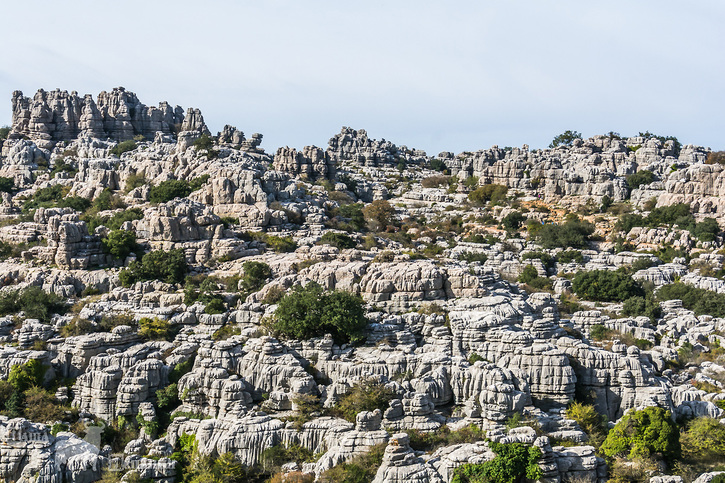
<point x="55" y="116"/>
<point x="312" y="162"/>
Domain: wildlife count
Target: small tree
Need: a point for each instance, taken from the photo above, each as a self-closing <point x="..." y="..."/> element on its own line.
<point x="641" y="434"/>
<point x="6" y="184"/>
<point x="565" y="139"/>
<point x="255" y="275"/>
<point x="124" y="147"/>
<point x="513" y="221"/>
<point x="606" y="286"/>
<point x="168" y="190"/>
<point x="119" y="243"/>
<point x="379" y="215"/>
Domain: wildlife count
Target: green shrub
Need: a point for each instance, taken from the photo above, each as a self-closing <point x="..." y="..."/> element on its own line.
<point x="569" y="256"/>
<point x="276" y="243"/>
<point x="471" y="257"/>
<point x="45" y="197"/>
<point x="700" y="301"/>
<point x="155" y="329"/>
<point x="338" y="240"/>
<point x="494" y="193"/>
<point x="644" y="433"/>
<point x="197" y="183"/>
<point x="513" y="463"/>
<point x="255" y="275"/>
<point x="24" y="376"/>
<point x="704" y="440"/>
<point x="112" y="222"/>
<point x="565" y="139"/>
<point x="379" y="215"/>
<point x="169" y="267"/>
<point x="4" y="132"/>
<point x="513" y="221"/>
<point x="642" y="306"/>
<point x="310" y="312"/>
<point x="119" y="243"/>
<point x="546" y="259"/>
<point x="134" y="181"/>
<point x="600" y="332"/>
<point x="606" y="286"/>
<point x="6" y="184"/>
<point x="273" y="458"/>
<point x="33" y="301"/>
<point x="123" y="147"/>
<point x="640" y="178"/>
<point x="367" y="395"/>
<point x="215" y="306"/>
<point x="359" y="469"/>
<point x="168" y="190"/>
<point x="438" y="165"/>
<point x="574" y="233"/>
<point x="206" y="143"/>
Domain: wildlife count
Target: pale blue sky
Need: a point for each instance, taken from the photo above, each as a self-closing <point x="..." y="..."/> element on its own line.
<point x="454" y="75"/>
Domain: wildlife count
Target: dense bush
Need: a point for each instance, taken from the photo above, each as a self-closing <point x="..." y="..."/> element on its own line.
<point x="255" y="275"/>
<point x="134" y="181"/>
<point x="644" y="433"/>
<point x="4" y="132"/>
<point x="168" y="190"/>
<point x="155" y="329"/>
<point x="700" y="301"/>
<point x="569" y="256"/>
<point x="379" y="215"/>
<point x="113" y="222"/>
<point x="565" y="139"/>
<point x="513" y="220"/>
<point x="640" y="178"/>
<point x="435" y="181"/>
<point x="169" y="267"/>
<point x="677" y="214"/>
<point x="438" y="165"/>
<point x="338" y="240"/>
<point x="276" y="243"/>
<point x="513" y="463"/>
<point x="367" y="395"/>
<point x="494" y="193"/>
<point x="530" y="276"/>
<point x="6" y="184"/>
<point x="45" y="197"/>
<point x="444" y="436"/>
<point x="33" y="301"/>
<point x="642" y="306"/>
<point x="606" y="286"/>
<point x="311" y="312"/>
<point x="354" y="212"/>
<point x="123" y="147"/>
<point x="574" y="233"/>
<point x="119" y="243"/>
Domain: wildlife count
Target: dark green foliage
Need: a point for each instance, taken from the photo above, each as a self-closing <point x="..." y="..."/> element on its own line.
<point x="642" y="263"/>
<point x="513" y="463"/>
<point x="565" y="139"/>
<point x="704" y="440"/>
<point x="698" y="300"/>
<point x="706" y="230"/>
<point x="569" y="256"/>
<point x="45" y="197"/>
<point x="495" y="193"/>
<point x="33" y="301"/>
<point x="215" y="306"/>
<point x="545" y="258"/>
<point x="642" y="306"/>
<point x="606" y="286"/>
<point x="347" y="181"/>
<point x="119" y="243"/>
<point x="197" y="183"/>
<point x="663" y="139"/>
<point x="4" y="132"/>
<point x="354" y="213"/>
<point x="339" y="240"/>
<point x="180" y="369"/>
<point x="61" y="166"/>
<point x="168" y="190"/>
<point x="76" y="202"/>
<point x="310" y="312"/>
<point x="367" y="395"/>
<point x="471" y="257"/>
<point x="641" y="434"/>
<point x="530" y="276"/>
<point x="574" y="233"/>
<point x="168" y="397"/>
<point x="206" y="143"/>
<point x="124" y="147"/>
<point x="169" y="267"/>
<point x="640" y="178"/>
<point x="255" y="275"/>
<point x="600" y="332"/>
<point x="6" y="184"/>
<point x="24" y="376"/>
<point x="513" y="220"/>
<point x="113" y="222"/>
<point x="438" y="165"/>
<point x="628" y="221"/>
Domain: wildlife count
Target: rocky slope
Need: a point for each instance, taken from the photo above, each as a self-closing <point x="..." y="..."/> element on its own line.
<point x="458" y="336"/>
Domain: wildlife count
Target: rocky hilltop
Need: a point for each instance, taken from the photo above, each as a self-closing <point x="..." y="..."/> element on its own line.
<point x="178" y="306"/>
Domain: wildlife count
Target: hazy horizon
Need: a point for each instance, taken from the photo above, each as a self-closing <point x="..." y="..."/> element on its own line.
<point x="438" y="77"/>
